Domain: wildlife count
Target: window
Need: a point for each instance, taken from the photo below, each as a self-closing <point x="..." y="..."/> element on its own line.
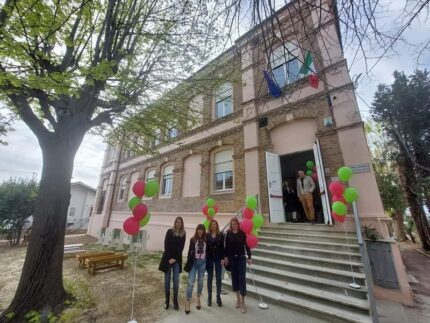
<point x="72" y="212"/>
<point x="223" y="170"/>
<point x="133" y="178"/>
<point x="223" y="101"/>
<point x="285" y="64"/>
<point x="149" y="175"/>
<point x="167" y="181"/>
<point x="173" y="133"/>
<point x="122" y="186"/>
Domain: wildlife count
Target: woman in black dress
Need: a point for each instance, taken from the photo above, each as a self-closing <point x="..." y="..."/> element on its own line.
<point x="234" y="256"/>
<point x="171" y="261"/>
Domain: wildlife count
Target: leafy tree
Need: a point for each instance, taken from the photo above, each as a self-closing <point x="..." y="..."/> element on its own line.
<point x="17" y="202"/>
<point x="69" y="66"/>
<point x="403" y="110"/>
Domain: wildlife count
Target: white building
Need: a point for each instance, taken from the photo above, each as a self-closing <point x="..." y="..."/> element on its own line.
<point x="81" y="205"/>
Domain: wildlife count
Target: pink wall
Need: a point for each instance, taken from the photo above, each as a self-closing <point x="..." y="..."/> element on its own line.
<point x="292" y="137"/>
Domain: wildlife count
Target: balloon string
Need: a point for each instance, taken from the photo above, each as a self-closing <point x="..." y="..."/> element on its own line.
<point x="134" y="285"/>
<point x="349" y="254"/>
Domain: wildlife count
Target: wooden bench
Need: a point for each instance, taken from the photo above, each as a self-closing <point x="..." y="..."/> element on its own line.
<point x="82" y="257"/>
<point x="105" y="262"/>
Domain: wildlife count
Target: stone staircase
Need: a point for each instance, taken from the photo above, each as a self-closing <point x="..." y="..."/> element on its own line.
<point x="307" y="268"/>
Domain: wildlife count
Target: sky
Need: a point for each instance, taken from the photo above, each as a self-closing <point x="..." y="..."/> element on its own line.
<point x="22" y="156"/>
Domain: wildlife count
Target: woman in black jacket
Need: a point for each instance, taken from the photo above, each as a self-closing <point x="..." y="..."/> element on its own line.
<point x="234" y="256"/>
<point x="214" y="258"/>
<point x="171" y="261"/>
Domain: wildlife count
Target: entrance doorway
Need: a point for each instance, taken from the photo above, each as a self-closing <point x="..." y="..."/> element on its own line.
<point x="284" y="168"/>
<point x="290" y="165"/>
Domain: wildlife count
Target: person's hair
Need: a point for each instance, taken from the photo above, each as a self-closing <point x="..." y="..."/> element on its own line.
<point x="210" y="227"/>
<point x="196" y="236"/>
<point x="181" y="231"/>
<point x="301" y="170"/>
<point x="235" y="220"/>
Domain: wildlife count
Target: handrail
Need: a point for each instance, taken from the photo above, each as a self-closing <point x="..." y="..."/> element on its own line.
<point x="239" y="213"/>
<point x="366" y="265"/>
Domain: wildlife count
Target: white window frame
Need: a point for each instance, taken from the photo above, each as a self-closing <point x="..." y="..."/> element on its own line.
<point x="172" y="133"/>
<point x="122" y="188"/>
<point x="164" y="178"/>
<point x="149" y="170"/>
<point x="230" y="169"/>
<point x="280" y="59"/>
<point x="223" y="96"/>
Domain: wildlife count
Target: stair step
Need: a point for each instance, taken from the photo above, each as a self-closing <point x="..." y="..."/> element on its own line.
<point x="332" y="254"/>
<point x="316" y="270"/>
<point x="314" y="236"/>
<point x="309" y="292"/>
<point x="311" y="281"/>
<point x="302" y="259"/>
<point x="312" y="244"/>
<point x="305" y="227"/>
<point x="332" y="313"/>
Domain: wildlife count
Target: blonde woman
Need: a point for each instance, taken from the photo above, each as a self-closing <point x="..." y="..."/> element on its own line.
<point x="171" y="261"/>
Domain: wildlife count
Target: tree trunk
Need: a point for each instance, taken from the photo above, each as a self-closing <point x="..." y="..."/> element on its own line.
<point x="408" y="179"/>
<point x="41" y="285"/>
<point x="400" y="229"/>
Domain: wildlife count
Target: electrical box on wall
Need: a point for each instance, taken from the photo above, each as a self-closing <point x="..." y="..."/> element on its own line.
<point x="328" y="121"/>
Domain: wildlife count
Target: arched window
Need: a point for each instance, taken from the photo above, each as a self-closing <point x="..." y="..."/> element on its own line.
<point x="223" y="170"/>
<point x="285" y="64"/>
<point x="167" y="185"/>
<point x="149" y="175"/>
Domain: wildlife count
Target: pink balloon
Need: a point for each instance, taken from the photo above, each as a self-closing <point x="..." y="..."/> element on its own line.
<point x="247" y="213"/>
<point x="336" y="188"/>
<point x="246" y="226"/>
<point x="205" y="209"/>
<point x="139" y="188"/>
<point x="337" y="198"/>
<point x="315" y="177"/>
<point x="251" y="241"/>
<point x="216" y="207"/>
<point x="140" y="211"/>
<point x="131" y="226"/>
<point x="337" y="217"/>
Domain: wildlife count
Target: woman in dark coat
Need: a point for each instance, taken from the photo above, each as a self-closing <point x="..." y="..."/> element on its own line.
<point x="234" y="256"/>
<point x="171" y="261"/>
<point x="214" y="258"/>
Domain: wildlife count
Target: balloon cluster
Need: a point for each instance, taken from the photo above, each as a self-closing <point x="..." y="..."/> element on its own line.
<point x="141" y="216"/>
<point x="342" y="195"/>
<point x="312" y="170"/>
<point x="251" y="222"/>
<point x="209" y="210"/>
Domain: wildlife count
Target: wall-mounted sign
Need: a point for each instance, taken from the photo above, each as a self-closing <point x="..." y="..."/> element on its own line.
<point x="360" y="168"/>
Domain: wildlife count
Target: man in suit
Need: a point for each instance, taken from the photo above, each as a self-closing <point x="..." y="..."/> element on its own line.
<point x="305" y="188"/>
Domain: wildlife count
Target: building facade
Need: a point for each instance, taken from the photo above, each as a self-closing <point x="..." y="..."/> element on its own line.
<point x="250" y="142"/>
<point x="81" y="205"/>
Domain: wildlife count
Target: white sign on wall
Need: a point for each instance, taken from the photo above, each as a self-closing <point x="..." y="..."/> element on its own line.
<point x="360" y="168"/>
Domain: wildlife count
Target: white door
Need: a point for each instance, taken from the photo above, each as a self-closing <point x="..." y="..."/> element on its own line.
<point x="274" y="184"/>
<point x="322" y="183"/>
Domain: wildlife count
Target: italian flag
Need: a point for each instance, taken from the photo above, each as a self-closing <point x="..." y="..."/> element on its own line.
<point x="308" y="67"/>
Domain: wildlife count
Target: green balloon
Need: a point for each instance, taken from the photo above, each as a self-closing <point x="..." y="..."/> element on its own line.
<point x="211" y="211"/>
<point x="339" y="208"/>
<point x="251" y="202"/>
<point x="151" y="188"/>
<point x="133" y="202"/>
<point x="258" y="221"/>
<point x="254" y="232"/>
<point x="344" y="173"/>
<point x="310" y="164"/>
<point x="206" y="224"/>
<point x="309" y="172"/>
<point x="351" y="194"/>
<point x="210" y="202"/>
<point x="145" y="220"/>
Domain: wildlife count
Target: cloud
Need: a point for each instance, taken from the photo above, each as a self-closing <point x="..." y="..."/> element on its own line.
<point x="22" y="156"/>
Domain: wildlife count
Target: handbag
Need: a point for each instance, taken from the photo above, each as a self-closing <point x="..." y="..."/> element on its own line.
<point x="189" y="264"/>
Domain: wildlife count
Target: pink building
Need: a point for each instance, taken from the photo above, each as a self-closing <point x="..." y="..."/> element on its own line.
<point x="249" y="143"/>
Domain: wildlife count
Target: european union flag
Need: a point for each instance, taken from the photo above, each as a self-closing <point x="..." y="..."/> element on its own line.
<point x="274" y="89"/>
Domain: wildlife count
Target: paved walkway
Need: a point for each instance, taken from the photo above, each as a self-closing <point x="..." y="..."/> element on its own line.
<point x="229" y="314"/>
